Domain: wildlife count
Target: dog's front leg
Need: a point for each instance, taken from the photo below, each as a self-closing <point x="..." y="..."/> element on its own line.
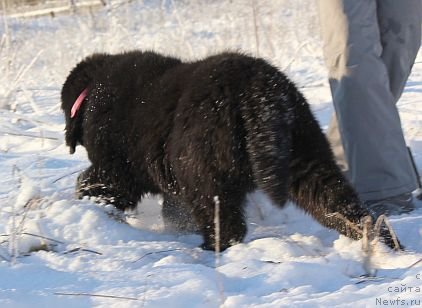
<point x="94" y="182"/>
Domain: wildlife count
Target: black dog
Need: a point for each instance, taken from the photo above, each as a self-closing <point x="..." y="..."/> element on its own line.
<point x="202" y="133"/>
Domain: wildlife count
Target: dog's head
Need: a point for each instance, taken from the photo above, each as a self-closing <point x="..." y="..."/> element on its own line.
<point x="80" y="79"/>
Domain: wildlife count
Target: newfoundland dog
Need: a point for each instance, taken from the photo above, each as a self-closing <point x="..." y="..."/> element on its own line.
<point x="199" y="134"/>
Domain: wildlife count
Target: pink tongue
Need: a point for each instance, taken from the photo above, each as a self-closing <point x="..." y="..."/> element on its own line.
<point x="77" y="104"/>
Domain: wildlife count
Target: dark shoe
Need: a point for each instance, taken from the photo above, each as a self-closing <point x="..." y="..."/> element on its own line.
<point x="395" y="205"/>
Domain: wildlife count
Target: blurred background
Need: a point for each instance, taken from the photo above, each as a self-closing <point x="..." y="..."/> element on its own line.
<point x="40" y="41"/>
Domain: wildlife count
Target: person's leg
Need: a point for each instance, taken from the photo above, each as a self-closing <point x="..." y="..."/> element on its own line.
<point x="333" y="135"/>
<point x="368" y="120"/>
<point x="400" y="29"/>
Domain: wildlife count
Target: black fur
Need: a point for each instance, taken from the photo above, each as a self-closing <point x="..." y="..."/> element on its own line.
<point x="220" y="127"/>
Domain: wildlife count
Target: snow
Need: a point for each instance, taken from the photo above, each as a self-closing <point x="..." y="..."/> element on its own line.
<point x="53" y="246"/>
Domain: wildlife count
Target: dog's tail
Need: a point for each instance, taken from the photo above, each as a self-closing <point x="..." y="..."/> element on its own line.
<point x="292" y="159"/>
<point x="316" y="183"/>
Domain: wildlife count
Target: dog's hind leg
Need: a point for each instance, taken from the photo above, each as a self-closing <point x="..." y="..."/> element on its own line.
<point x="95" y="183"/>
<point x="225" y="229"/>
<point x="178" y="215"/>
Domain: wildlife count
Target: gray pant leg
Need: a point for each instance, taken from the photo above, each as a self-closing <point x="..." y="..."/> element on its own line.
<point x="368" y="120"/>
<point x="333" y="134"/>
<point x="400" y="29"/>
<point x="400" y="39"/>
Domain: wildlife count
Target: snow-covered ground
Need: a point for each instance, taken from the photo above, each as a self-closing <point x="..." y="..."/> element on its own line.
<point x="56" y="251"/>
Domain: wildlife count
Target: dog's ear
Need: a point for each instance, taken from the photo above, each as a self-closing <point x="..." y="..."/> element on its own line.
<point x="80" y="78"/>
<point x="73" y="134"/>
